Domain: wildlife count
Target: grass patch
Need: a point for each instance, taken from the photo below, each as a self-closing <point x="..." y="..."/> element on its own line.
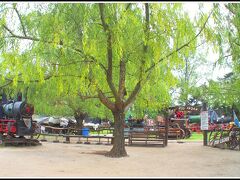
<point x="196" y="136"/>
<point x="102" y="132"/>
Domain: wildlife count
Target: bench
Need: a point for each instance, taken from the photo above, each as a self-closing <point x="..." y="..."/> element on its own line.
<point x="87" y="138"/>
<point x="91" y="137"/>
<point x="172" y="132"/>
<point x="147" y="136"/>
<point x="101" y="130"/>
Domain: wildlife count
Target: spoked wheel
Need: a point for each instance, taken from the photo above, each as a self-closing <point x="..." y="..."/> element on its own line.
<point x="188" y="133"/>
<point x="182" y="136"/>
<point x="233" y="141"/>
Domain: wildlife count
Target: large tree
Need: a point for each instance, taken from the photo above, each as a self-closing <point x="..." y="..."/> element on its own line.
<point x="225" y="91"/>
<point x="50" y="102"/>
<point x="117" y="52"/>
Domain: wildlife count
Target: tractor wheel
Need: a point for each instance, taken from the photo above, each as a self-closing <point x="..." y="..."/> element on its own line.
<point x="183" y="135"/>
<point x="188" y="133"/>
<point x="234" y="141"/>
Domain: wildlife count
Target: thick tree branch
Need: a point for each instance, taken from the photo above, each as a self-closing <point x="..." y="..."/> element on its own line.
<point x="149" y="70"/>
<point x="145" y="44"/>
<point x="137" y="88"/>
<point x="181" y="47"/>
<point x="226" y="56"/>
<point x="20" y="19"/>
<point x="72" y="63"/>
<point x="84" y="97"/>
<point x="31" y="81"/>
<point x="122" y="77"/>
<point x="13" y="35"/>
<point x="133" y="96"/>
<point x="229" y="8"/>
<point x="128" y="6"/>
<point x="23" y="37"/>
<point x="146" y="30"/>
<point x="236" y="43"/>
<point x="47" y="77"/>
<point x="7" y="84"/>
<point x="109" y="51"/>
<point x="106" y="101"/>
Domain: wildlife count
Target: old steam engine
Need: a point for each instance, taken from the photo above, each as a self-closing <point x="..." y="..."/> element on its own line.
<point x="16" y="123"/>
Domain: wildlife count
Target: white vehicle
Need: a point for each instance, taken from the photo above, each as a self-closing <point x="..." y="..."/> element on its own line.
<point x="54" y="120"/>
<point x="40" y="119"/>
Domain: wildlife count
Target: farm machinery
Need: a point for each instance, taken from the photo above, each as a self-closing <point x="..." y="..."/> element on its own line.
<point x="16" y="123"/>
<point x="227" y="137"/>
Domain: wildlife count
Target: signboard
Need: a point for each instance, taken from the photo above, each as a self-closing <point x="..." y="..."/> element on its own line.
<point x="204" y="120"/>
<point x="187" y="108"/>
<point x="220" y="141"/>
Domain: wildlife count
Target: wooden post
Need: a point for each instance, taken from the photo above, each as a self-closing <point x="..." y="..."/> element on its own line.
<point x="205" y="132"/>
<point x="67" y="138"/>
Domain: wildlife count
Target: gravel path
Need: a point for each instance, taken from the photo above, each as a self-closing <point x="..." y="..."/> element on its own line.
<point x="82" y="160"/>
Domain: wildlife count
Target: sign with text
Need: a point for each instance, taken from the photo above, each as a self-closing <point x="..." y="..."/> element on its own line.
<point x="204" y="120"/>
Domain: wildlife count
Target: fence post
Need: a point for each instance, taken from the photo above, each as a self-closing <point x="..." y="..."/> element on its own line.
<point x="205" y="132"/>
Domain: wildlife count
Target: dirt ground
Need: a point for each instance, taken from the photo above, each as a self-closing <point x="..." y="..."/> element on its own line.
<point x="85" y="160"/>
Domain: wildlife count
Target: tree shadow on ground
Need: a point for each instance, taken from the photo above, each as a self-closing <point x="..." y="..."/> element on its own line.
<point x="103" y="153"/>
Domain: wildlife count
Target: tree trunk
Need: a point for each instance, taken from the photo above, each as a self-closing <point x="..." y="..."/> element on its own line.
<point x="118" y="149"/>
<point x="79" y="116"/>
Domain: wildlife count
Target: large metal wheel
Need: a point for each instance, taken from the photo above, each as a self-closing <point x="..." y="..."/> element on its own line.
<point x="188" y="133"/>
<point x="183" y="135"/>
<point x="234" y="139"/>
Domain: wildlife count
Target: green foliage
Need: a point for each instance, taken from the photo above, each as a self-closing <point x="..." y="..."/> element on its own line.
<point x="47" y="102"/>
<point x="67" y="42"/>
<point x="225" y="91"/>
<point x="189" y="77"/>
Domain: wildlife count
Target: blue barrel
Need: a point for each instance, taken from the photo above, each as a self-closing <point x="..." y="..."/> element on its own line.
<point x="85" y="131"/>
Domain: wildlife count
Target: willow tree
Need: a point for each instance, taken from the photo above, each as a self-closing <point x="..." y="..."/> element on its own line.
<point x="225" y="91"/>
<point x="116" y="52"/>
<point x="48" y="101"/>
